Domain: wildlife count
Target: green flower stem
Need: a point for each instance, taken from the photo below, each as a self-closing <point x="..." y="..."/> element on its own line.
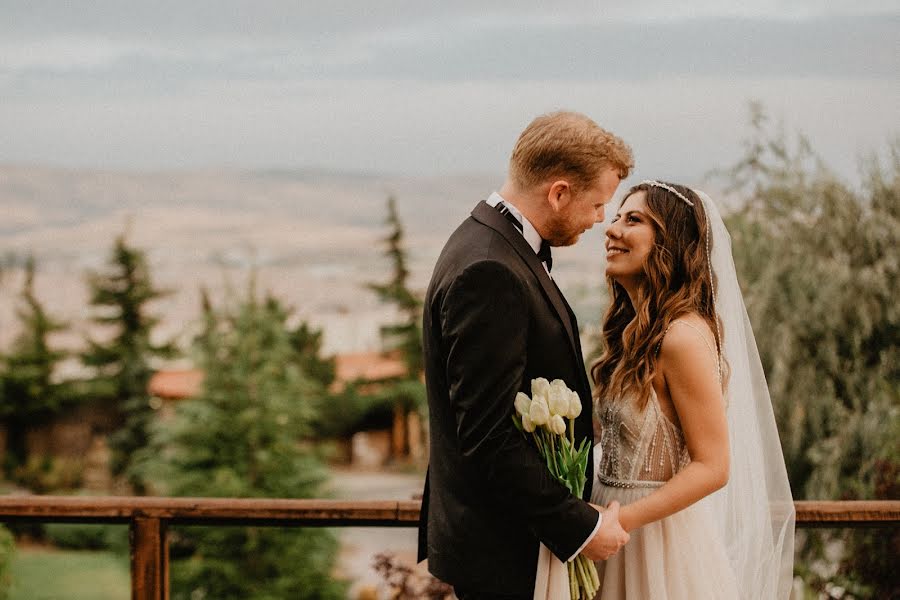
<point x="589" y="591"/>
<point x="578" y="581"/>
<point x="584" y="582"/>
<point x="554" y="454"/>
<point x="573" y="582"/>
<point x="588" y="581"/>
<point x="594" y="577"/>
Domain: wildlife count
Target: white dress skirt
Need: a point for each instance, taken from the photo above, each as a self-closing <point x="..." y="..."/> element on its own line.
<point x="681" y="557"/>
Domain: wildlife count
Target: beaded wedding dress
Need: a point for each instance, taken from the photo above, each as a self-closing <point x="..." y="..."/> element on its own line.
<point x="680" y="557"/>
<point x="736" y="543"/>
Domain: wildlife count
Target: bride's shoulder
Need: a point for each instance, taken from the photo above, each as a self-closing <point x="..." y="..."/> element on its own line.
<point x="688" y="337"/>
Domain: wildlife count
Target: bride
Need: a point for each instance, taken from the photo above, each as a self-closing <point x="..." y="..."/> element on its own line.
<point x="688" y="441"/>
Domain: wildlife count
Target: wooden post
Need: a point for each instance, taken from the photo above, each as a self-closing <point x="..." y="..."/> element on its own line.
<point x="398" y="433"/>
<point x="149" y="559"/>
<point x="414" y="436"/>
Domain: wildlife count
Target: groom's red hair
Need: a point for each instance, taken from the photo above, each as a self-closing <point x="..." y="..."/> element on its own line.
<point x="567" y="145"/>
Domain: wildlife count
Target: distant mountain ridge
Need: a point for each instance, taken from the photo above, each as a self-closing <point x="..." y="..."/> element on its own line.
<point x="327" y="196"/>
<point x="313" y="235"/>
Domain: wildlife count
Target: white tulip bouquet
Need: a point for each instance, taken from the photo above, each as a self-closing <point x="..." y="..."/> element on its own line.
<point x="544" y="417"/>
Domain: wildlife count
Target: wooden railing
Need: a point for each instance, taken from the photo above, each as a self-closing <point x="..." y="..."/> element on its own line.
<point x="148" y="518"/>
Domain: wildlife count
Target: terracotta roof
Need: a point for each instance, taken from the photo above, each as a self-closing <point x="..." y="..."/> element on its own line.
<point x="366" y="366"/>
<point x="176" y="385"/>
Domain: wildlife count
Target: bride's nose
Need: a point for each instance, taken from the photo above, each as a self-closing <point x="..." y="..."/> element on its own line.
<point x="612" y="230"/>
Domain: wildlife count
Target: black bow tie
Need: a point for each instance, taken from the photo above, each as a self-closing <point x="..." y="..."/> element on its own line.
<point x="544" y="254"/>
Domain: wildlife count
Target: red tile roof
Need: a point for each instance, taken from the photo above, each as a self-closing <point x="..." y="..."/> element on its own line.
<point x="368" y="366"/>
<point x="365" y="366"/>
<point x="176" y="385"/>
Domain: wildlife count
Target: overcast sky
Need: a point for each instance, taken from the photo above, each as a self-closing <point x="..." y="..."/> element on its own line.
<point x="416" y="87"/>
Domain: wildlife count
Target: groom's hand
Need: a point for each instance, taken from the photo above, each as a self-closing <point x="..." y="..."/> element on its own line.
<point x="610" y="537"/>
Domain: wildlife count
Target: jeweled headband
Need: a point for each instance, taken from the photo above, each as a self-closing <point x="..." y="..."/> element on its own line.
<point x="659" y="184"/>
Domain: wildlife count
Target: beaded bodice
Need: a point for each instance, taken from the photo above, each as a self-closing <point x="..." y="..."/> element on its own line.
<point x="639" y="447"/>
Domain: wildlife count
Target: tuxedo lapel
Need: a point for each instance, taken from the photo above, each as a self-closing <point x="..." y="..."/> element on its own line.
<point x="578" y="351"/>
<point x="491" y="217"/>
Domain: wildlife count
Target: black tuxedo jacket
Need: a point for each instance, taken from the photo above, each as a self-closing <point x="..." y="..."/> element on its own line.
<point x="493" y="321"/>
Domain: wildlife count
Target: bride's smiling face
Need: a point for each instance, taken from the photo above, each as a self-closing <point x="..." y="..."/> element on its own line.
<point x="629" y="239"/>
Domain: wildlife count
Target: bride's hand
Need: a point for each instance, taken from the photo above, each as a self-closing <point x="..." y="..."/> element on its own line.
<point x="610" y="537"/>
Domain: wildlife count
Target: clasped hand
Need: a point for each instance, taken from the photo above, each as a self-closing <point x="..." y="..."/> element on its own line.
<point x="610" y="537"/>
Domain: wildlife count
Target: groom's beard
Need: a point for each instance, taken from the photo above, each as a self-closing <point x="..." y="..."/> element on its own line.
<point x="563" y="231"/>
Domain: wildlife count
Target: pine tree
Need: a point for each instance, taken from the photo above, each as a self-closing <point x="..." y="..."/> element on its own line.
<point x="120" y="296"/>
<point x="30" y="393"/>
<point x="307" y="343"/>
<point x="405" y="335"/>
<point x="242" y="437"/>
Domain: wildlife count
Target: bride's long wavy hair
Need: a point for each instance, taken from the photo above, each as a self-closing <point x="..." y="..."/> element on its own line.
<point x="677" y="281"/>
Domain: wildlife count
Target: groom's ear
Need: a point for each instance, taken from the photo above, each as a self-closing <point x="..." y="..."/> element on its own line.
<point x="559" y="195"/>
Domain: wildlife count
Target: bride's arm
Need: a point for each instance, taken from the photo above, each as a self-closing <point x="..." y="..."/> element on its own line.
<point x="690" y="371"/>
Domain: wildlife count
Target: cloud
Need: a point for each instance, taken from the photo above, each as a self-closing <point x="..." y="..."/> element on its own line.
<point x="844" y="47"/>
<point x="678" y="127"/>
<point x="862" y="47"/>
<point x="174" y="20"/>
<point x="411" y="86"/>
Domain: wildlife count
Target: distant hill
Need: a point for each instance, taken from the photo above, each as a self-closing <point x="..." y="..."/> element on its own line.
<point x="313" y="235"/>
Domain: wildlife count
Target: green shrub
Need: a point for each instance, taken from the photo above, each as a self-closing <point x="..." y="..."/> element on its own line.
<point x="46" y="474"/>
<point x="78" y="536"/>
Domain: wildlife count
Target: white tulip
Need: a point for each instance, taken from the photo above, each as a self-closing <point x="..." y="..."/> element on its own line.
<point x="539" y="411"/>
<point x="558" y="400"/>
<point x="523" y="404"/>
<point x="559" y="384"/>
<point x="557" y="425"/>
<point x="574" y="405"/>
<point x="539" y="387"/>
<point x="527" y="423"/>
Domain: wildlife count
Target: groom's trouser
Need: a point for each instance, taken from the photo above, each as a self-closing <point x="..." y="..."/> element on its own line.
<point x="476" y="595"/>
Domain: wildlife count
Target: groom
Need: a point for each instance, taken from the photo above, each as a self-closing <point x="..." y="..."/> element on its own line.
<point x="494" y="320"/>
